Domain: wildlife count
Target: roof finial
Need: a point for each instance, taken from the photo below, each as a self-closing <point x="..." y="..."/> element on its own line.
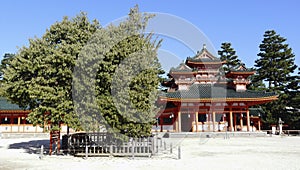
<point x="204" y="46"/>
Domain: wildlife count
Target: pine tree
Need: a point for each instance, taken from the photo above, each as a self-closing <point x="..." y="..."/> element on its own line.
<point x="293" y="108"/>
<point x="256" y="85"/>
<point x="40" y="76"/>
<point x="275" y="66"/>
<point x="117" y="77"/>
<point x="228" y="55"/>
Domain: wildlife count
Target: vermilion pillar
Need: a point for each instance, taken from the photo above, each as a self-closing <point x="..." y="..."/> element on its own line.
<point x="196" y="120"/>
<point x="214" y="120"/>
<point x="231" y="119"/>
<point x="179" y="121"/>
<point x="248" y="120"/>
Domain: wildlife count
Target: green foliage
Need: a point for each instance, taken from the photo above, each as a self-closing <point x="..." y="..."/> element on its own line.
<point x="117" y="77"/>
<point x="228" y="54"/>
<point x="276" y="67"/>
<point x="40" y="76"/>
<point x="293" y="107"/>
<point x="4" y="64"/>
<point x="256" y="85"/>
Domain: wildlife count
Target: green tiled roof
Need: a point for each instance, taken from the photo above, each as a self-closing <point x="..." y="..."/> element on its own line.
<point x="207" y="91"/>
<point x="202" y="60"/>
<point x="198" y="57"/>
<point x="241" y="68"/>
<point x="181" y="68"/>
<point x="248" y="70"/>
<point x="6" y="105"/>
<point x="256" y="111"/>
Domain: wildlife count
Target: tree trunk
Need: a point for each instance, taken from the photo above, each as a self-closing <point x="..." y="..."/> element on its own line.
<point x="54" y="140"/>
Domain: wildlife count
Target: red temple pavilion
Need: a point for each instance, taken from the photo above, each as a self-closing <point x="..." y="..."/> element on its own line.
<point x="200" y="98"/>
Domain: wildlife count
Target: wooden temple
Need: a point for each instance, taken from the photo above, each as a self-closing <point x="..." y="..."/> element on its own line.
<point x="201" y="98"/>
<point x="13" y="119"/>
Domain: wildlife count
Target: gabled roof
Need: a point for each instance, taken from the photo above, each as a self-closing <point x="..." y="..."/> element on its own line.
<point x="206" y="92"/>
<point x="7" y="105"/>
<point x="204" y="56"/>
<point x="240" y="70"/>
<point x="181" y="68"/>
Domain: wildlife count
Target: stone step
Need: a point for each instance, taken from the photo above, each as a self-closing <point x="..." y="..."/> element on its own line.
<point x="214" y="134"/>
<point x="23" y="135"/>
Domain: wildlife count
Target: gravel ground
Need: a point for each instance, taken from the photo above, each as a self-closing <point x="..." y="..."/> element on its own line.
<point x="196" y="153"/>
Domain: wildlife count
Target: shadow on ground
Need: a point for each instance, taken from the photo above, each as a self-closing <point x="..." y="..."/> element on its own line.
<point x="32" y="147"/>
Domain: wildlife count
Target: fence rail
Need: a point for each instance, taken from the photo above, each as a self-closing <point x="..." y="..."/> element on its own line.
<point x="292" y="132"/>
<point x="103" y="144"/>
<point x="285" y="132"/>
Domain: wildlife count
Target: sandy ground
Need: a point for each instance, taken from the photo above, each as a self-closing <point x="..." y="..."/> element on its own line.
<point x="196" y="153"/>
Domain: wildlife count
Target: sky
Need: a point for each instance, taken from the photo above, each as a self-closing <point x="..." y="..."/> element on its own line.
<point x="242" y="23"/>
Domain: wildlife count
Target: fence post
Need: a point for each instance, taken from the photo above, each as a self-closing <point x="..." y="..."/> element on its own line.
<point x="132" y="148"/>
<point x="42" y="152"/>
<point x="153" y="145"/>
<point x="171" y="148"/>
<point x="110" y="150"/>
<point x="179" y="152"/>
<point x="86" y="151"/>
<point x="156" y="144"/>
<point x="165" y="145"/>
<point x="161" y="142"/>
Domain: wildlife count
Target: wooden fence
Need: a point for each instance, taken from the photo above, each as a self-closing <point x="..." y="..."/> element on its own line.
<point x="104" y="144"/>
<point x="285" y="132"/>
<point x="291" y="132"/>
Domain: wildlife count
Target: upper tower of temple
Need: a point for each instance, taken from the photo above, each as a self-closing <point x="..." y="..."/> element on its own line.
<point x="204" y="60"/>
<point x="238" y="77"/>
<point x="205" y="68"/>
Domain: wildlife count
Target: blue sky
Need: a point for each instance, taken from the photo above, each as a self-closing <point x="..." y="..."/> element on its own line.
<point x="242" y="23"/>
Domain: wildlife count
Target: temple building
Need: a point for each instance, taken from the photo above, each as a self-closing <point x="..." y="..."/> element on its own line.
<point x="201" y="98"/>
<point x="13" y="119"/>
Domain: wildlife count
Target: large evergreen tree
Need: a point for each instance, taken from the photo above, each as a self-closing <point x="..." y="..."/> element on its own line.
<point x="293" y="107"/>
<point x="275" y="66"/>
<point x="40" y="76"/>
<point x="122" y="63"/>
<point x="227" y="54"/>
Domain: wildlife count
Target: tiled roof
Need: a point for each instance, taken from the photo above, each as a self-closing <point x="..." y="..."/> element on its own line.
<point x="202" y="60"/>
<point x="241" y="68"/>
<point x="181" y="68"/>
<point x="207" y="91"/>
<point x="6" y="105"/>
<point x="204" y="56"/>
<point x="256" y="112"/>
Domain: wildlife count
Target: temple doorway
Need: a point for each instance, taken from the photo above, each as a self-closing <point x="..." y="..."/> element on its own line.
<point x="186" y="122"/>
